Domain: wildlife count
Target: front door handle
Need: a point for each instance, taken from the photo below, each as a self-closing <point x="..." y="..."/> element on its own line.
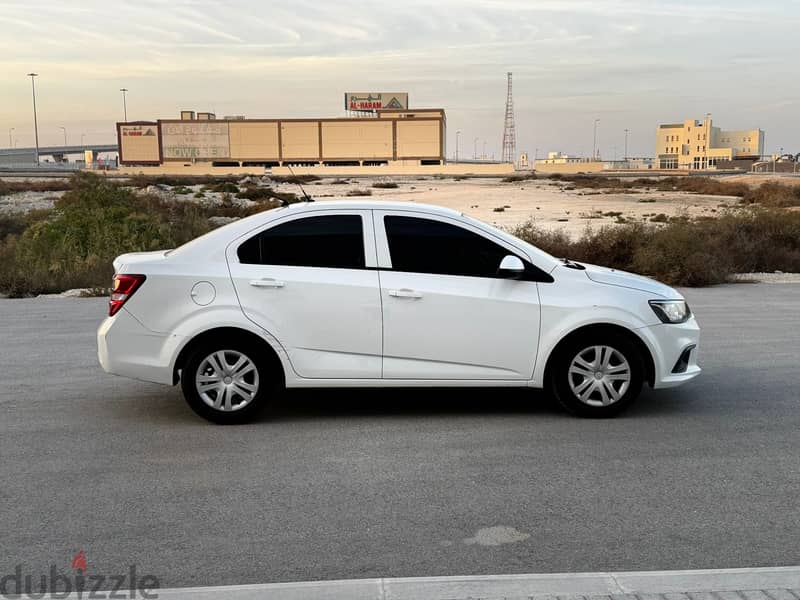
<point x="405" y="293"/>
<point x="267" y="283"/>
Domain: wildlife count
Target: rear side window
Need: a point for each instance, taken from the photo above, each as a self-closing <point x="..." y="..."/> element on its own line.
<point x="426" y="246"/>
<point x="332" y="241"/>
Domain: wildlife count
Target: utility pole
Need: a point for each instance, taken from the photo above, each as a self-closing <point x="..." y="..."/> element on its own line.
<point x="626" y="146"/>
<point x="33" y="77"/>
<point x="125" y="102"/>
<point x="594" y="140"/>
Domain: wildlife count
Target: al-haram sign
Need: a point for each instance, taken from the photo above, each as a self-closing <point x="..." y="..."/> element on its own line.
<point x="372" y="101"/>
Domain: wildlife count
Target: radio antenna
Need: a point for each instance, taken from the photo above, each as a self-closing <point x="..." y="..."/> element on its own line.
<point x="306" y="197"/>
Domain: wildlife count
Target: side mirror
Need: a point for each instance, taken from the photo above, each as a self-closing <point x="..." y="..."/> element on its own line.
<point x="511" y="267"/>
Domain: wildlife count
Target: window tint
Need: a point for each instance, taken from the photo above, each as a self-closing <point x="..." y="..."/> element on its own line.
<point x="427" y="246"/>
<point x="333" y="241"/>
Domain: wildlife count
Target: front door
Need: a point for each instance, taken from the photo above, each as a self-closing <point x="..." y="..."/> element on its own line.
<point x="308" y="281"/>
<point x="446" y="312"/>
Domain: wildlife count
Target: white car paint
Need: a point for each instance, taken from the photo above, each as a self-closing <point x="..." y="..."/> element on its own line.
<point x="377" y="326"/>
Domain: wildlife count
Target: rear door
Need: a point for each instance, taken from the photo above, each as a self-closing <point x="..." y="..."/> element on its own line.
<point x="310" y="281"/>
<point x="446" y="312"/>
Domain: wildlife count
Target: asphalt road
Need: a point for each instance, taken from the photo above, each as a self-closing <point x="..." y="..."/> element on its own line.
<point x="346" y="484"/>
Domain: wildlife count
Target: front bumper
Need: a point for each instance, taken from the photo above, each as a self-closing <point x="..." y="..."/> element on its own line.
<point x="125" y="347"/>
<point x="667" y="343"/>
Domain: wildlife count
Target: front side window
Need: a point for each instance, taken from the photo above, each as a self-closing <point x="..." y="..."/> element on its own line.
<point x="332" y="241"/>
<point x="419" y="245"/>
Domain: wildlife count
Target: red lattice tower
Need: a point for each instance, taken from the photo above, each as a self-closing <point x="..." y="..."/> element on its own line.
<point x="509" y="131"/>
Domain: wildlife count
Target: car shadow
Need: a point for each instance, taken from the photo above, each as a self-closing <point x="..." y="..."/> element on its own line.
<point x="166" y="405"/>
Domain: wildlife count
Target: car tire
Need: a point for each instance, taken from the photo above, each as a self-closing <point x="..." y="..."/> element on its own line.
<point x="229" y="382"/>
<point x="597" y="375"/>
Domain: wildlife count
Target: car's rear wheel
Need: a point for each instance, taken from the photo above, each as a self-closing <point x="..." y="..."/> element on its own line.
<point x="597" y="375"/>
<point x="227" y="382"/>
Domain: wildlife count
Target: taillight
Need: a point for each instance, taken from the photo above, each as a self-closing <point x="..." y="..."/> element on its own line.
<point x="124" y="286"/>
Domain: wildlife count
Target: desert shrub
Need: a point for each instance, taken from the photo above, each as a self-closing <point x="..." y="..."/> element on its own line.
<point x="385" y="185"/>
<point x="223" y="187"/>
<point x="90" y="225"/>
<point x="294" y="178"/>
<point x="142" y="181"/>
<point x="39" y="185"/>
<point x="518" y="178"/>
<point x="359" y="192"/>
<point x="13" y="224"/>
<point x="690" y="252"/>
<point x="773" y="194"/>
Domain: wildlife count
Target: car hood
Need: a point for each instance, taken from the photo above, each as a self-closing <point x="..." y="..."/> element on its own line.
<point x="629" y="280"/>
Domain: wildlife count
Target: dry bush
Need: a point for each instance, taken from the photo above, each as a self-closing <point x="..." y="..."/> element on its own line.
<point x="690" y="252"/>
<point x="773" y="194"/>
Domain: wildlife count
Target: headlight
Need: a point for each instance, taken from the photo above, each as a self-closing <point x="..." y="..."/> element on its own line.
<point x="671" y="311"/>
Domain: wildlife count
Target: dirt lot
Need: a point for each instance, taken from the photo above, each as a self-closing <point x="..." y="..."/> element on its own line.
<point x="552" y="203"/>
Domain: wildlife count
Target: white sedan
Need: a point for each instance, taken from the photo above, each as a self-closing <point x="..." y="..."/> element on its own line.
<point x="384" y="294"/>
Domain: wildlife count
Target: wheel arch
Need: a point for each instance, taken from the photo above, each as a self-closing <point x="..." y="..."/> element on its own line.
<point x="644" y="350"/>
<point x="227" y="334"/>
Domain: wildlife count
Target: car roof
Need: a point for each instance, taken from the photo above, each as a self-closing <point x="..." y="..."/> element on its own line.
<point x="373" y="205"/>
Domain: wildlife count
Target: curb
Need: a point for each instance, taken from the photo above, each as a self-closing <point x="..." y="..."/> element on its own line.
<point x="780" y="580"/>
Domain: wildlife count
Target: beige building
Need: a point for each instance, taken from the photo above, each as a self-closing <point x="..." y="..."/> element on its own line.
<point x="697" y="144"/>
<point x="389" y="137"/>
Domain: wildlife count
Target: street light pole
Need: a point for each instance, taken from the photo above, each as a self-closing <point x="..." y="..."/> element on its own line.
<point x="458" y="135"/>
<point x="64" y="129"/>
<point x="594" y="140"/>
<point x="475" y="149"/>
<point x="10" y="141"/>
<point x="82" y="136"/>
<point x="124" y="102"/>
<point x="33" y="77"/>
<point x="484" y="149"/>
<point x="707" y="140"/>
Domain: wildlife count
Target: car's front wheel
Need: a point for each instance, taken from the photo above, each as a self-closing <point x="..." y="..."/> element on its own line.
<point x="597" y="375"/>
<point x="227" y="382"/>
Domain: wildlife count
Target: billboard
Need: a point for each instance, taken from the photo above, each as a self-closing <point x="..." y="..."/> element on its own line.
<point x="195" y="139"/>
<point x="138" y="143"/>
<point x="372" y="101"/>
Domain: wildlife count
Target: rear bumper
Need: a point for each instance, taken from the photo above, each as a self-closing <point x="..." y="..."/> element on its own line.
<point x="125" y="347"/>
<point x="668" y="342"/>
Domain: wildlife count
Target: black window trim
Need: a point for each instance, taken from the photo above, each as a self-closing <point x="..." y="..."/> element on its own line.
<point x="242" y="239"/>
<point x="532" y="272"/>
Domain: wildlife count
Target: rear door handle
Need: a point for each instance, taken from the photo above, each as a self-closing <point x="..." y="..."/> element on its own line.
<point x="405" y="293"/>
<point x="267" y="283"/>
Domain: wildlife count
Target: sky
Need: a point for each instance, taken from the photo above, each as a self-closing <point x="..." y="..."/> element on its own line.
<point x="630" y="64"/>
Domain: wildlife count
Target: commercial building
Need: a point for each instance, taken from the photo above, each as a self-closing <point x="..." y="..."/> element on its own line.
<point x="695" y="144"/>
<point x="383" y="137"/>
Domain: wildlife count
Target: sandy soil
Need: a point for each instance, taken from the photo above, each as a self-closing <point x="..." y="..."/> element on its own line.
<point x="551" y="204"/>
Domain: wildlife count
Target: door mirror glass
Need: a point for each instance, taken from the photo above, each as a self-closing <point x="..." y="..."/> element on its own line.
<point x="511" y="266"/>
